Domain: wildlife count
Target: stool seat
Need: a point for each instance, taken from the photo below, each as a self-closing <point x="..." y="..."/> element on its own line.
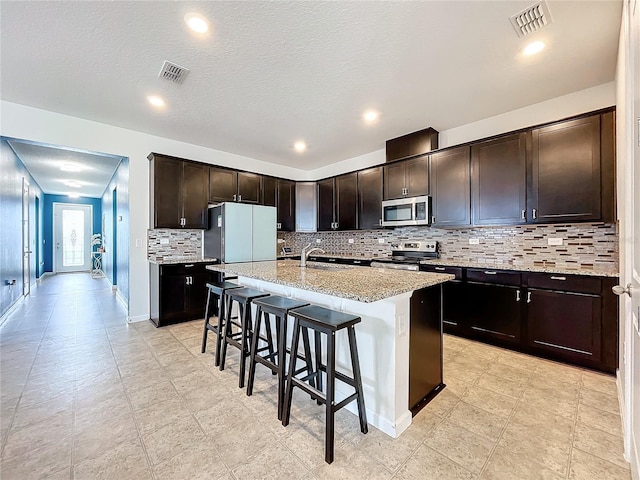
<point x="246" y="293"/>
<point x="218" y="289"/>
<point x="324" y="317"/>
<point x="276" y="304"/>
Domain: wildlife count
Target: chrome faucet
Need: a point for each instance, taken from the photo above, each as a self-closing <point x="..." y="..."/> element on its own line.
<point x="305" y="254"/>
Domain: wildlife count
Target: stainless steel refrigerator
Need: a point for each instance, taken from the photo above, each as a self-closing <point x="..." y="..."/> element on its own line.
<point x="239" y="232"/>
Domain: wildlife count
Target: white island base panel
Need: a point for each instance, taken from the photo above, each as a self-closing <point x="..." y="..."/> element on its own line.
<point x="383" y="348"/>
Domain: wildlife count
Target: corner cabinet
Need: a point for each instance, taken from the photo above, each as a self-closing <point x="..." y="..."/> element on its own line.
<point x="178" y="192"/>
<point x="178" y="292"/>
<point x="450" y="179"/>
<point x="281" y="194"/>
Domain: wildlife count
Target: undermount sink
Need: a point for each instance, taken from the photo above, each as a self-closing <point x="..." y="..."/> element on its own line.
<point x="326" y="266"/>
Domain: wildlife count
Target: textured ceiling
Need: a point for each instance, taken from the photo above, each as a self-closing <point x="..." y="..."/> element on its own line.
<point x="44" y="162"/>
<point x="270" y="73"/>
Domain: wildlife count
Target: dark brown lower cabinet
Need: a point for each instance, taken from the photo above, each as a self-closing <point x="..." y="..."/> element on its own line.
<point x="568" y="324"/>
<point x="178" y="292"/>
<point x="494" y="311"/>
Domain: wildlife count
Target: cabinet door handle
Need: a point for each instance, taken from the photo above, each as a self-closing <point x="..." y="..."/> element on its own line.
<point x="380" y="222"/>
<point x="239" y="198"/>
<point x="234" y="197"/>
<point x="440" y="269"/>
<point x="188" y="265"/>
<point x="433" y="219"/>
<point x="558" y="278"/>
<point x="517" y="295"/>
<point x="528" y="297"/>
<point x="489" y="272"/>
<point x="523" y="214"/>
<point x="534" y="212"/>
<point x="357" y="262"/>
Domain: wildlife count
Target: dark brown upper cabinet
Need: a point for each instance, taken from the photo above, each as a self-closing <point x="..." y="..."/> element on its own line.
<point x="499" y="181"/>
<point x="280" y="193"/>
<point x="412" y="144"/>
<point x="406" y="178"/>
<point x="450" y="176"/>
<point x="178" y="192"/>
<point x="370" y="198"/>
<point x="226" y="185"/>
<point x="565" y="181"/>
<point x="338" y="203"/>
<point x="270" y="191"/>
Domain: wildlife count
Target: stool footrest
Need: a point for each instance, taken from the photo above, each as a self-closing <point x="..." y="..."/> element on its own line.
<point x="314" y="392"/>
<point x="347" y="400"/>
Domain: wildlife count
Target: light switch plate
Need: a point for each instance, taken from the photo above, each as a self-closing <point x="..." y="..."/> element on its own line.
<point x="554" y="241"/>
<point x="138" y="243"/>
<point x="474" y="241"/>
<point x="318" y="240"/>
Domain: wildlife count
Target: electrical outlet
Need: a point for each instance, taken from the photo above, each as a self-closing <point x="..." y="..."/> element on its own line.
<point x="381" y="240"/>
<point x="474" y="241"/>
<point x="554" y="241"/>
<point x="163" y="241"/>
<point x="318" y="240"/>
<point x="351" y="240"/>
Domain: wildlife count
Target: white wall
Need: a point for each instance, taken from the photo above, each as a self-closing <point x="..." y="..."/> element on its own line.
<point x="19" y="121"/>
<point x="557" y="108"/>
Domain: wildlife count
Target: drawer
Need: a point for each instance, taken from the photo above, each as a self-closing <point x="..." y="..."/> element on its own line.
<point x="489" y="275"/>
<point x="563" y="282"/>
<point x="355" y="261"/>
<point x="457" y="271"/>
<point x="184" y="268"/>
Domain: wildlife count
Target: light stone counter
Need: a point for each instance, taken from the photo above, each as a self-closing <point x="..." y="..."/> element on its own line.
<point x="176" y="260"/>
<point x="600" y="271"/>
<point x="363" y="284"/>
<point x="382" y="299"/>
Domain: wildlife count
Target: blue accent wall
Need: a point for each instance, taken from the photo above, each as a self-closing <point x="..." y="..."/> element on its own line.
<point x="47" y="217"/>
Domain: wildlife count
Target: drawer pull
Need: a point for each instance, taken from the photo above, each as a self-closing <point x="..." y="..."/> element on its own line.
<point x="440" y="269"/>
<point x="528" y="297"/>
<point x="489" y="272"/>
<point x="188" y="265"/>
<point x="558" y="278"/>
<point x="357" y="262"/>
<point x="517" y="295"/>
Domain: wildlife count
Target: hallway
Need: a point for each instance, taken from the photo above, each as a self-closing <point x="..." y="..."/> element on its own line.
<point x="87" y="396"/>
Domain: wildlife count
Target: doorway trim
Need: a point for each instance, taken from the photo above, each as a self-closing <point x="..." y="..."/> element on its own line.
<point x="57" y="205"/>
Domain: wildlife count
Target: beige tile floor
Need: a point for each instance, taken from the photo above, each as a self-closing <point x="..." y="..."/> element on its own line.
<point x="86" y="396"/>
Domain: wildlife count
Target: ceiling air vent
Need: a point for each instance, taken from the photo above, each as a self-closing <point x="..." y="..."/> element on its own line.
<point x="172" y="72"/>
<point x="531" y="19"/>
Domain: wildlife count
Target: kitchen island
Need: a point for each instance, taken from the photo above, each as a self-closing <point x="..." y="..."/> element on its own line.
<point x="399" y="338"/>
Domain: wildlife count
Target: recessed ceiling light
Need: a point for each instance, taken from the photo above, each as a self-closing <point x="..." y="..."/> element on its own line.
<point x="300" y="146"/>
<point x="73" y="195"/>
<point x="71" y="167"/>
<point x="370" y="116"/>
<point x="156" y="101"/>
<point x="197" y="22"/>
<point x="533" y="48"/>
<point x="72" y="184"/>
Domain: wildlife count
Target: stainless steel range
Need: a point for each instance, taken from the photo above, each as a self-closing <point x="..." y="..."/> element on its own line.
<point x="408" y="255"/>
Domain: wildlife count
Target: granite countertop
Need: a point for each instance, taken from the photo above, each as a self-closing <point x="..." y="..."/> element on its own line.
<point x="543" y="267"/>
<point x="174" y="260"/>
<point x="363" y="284"/>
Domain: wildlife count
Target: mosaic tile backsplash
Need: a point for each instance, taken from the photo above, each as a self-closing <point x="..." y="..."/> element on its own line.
<point x="181" y="243"/>
<point x="585" y="245"/>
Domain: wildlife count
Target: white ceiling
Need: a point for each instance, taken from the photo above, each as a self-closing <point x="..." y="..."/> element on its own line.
<point x="270" y="73"/>
<point x="44" y="162"/>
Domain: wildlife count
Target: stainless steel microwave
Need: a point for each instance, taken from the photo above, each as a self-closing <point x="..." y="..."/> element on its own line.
<point x="406" y="211"/>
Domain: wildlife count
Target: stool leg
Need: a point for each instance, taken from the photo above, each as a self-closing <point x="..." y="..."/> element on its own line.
<point x="267" y="326"/>
<point x="254" y="349"/>
<point x="281" y="337"/>
<point x="286" y="408"/>
<point x="245" y="312"/>
<point x="206" y="322"/>
<point x="329" y="407"/>
<point x="357" y="379"/>
<point x="318" y="351"/>
<point x="227" y="332"/>
<point x="221" y="323"/>
<point x="307" y="355"/>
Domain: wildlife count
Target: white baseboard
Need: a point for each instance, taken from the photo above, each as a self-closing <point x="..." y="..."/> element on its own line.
<point x="635" y="459"/>
<point x="138" y="318"/>
<point x="11" y="309"/>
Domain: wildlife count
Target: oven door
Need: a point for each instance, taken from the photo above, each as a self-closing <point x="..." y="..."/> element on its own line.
<point x="406" y="211"/>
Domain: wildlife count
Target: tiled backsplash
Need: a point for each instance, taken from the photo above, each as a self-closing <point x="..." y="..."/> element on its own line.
<point x="587" y="245"/>
<point x="181" y="243"/>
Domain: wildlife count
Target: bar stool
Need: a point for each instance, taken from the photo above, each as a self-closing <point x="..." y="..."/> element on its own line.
<point x="279" y="307"/>
<point x="241" y="339"/>
<point x="217" y="291"/>
<point x="323" y="320"/>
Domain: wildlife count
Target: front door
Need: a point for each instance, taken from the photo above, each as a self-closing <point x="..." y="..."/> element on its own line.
<point x="72" y="237"/>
